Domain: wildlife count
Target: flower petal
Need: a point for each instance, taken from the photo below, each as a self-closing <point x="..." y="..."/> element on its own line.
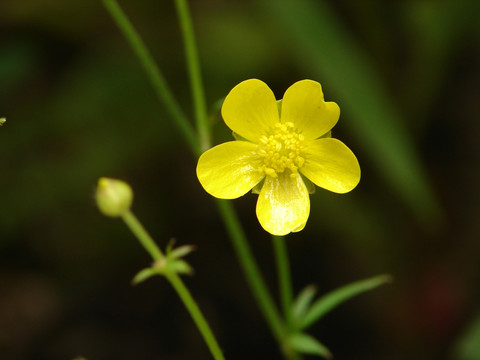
<point x="283" y="204"/>
<point x="229" y="170"/>
<point x="250" y="109"/>
<point x="304" y="106"/>
<point x="330" y="164"/>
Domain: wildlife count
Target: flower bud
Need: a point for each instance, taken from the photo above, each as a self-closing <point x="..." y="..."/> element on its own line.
<point x="114" y="197"/>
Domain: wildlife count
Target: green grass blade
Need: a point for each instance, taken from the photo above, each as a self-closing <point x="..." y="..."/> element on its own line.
<point x="334" y="298"/>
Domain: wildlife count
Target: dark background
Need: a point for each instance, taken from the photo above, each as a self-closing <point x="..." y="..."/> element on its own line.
<point x="78" y="106"/>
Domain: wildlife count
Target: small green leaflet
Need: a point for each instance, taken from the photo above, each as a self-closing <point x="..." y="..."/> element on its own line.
<point x="144" y="274"/>
<point x="306" y="344"/>
<point x="303" y="301"/>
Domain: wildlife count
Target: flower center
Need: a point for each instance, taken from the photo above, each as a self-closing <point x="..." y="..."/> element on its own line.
<point x="281" y="150"/>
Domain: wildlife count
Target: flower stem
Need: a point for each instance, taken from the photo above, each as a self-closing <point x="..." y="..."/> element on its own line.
<point x="157" y="79"/>
<point x="196" y="314"/>
<point x="284" y="278"/>
<point x="193" y="65"/>
<point x="142" y="235"/>
<point x="252" y="273"/>
<point x="147" y="242"/>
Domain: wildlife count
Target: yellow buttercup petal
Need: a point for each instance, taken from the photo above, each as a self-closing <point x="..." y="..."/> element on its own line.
<point x="330" y="164"/>
<point x="229" y="170"/>
<point x="250" y="109"/>
<point x="304" y="106"/>
<point x="283" y="204"/>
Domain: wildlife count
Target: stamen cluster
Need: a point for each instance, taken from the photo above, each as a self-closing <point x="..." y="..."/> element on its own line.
<point x="281" y="150"/>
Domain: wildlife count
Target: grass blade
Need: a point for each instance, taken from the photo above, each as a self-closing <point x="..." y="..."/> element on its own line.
<point x="334" y="298"/>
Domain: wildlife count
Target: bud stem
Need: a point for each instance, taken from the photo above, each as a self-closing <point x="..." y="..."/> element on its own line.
<point x="147" y="242"/>
<point x="142" y="235"/>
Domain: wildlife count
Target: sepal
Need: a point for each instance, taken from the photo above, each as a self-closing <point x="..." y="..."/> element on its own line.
<point x="171" y="263"/>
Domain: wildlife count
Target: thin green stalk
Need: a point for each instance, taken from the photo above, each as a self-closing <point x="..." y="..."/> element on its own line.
<point x="142" y="235"/>
<point x="147" y="242"/>
<point x="193" y="65"/>
<point x="254" y="278"/>
<point x="197" y="315"/>
<point x="284" y="277"/>
<point x="252" y="273"/>
<point x="158" y="81"/>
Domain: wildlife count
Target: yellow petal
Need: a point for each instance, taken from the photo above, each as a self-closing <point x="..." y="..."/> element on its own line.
<point x="283" y="204"/>
<point x="229" y="170"/>
<point x="250" y="109"/>
<point x="304" y="106"/>
<point x="330" y="164"/>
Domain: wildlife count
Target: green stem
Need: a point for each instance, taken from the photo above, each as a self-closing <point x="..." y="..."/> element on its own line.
<point x="147" y="242"/>
<point x="284" y="278"/>
<point x="142" y="235"/>
<point x="197" y="315"/>
<point x="193" y="65"/>
<point x="158" y="81"/>
<point x="252" y="273"/>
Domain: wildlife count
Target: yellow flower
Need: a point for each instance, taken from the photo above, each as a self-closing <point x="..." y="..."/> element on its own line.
<point x="281" y="144"/>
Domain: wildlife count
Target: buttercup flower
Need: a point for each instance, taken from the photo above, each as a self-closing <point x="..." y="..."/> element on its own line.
<point x="279" y="146"/>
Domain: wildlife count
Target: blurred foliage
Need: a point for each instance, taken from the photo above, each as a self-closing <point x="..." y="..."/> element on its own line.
<point x="468" y="348"/>
<point x="406" y="75"/>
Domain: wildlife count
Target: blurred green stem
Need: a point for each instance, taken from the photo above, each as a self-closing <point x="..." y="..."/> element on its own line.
<point x="195" y="74"/>
<point x="147" y="242"/>
<point x="252" y="273"/>
<point x="284" y="278"/>
<point x="159" y="83"/>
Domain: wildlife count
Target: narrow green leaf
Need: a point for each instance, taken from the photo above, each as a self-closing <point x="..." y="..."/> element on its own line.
<point x="170" y="245"/>
<point x="180" y="251"/>
<point x="306" y="344"/>
<point x="334" y="298"/>
<point x="302" y="303"/>
<point x="144" y="275"/>
<point x="180" y="267"/>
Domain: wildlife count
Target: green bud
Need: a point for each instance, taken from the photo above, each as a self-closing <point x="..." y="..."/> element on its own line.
<point x="114" y="197"/>
<point x="2" y="121"/>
